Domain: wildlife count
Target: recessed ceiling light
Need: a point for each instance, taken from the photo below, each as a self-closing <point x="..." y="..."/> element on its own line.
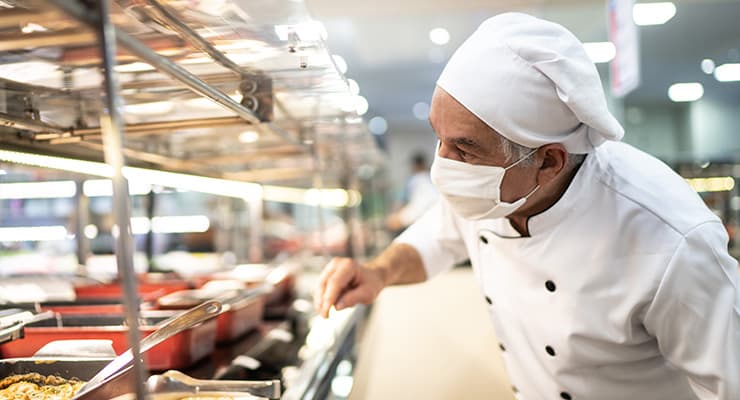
<point x="439" y="36"/>
<point x="361" y="105"/>
<point x="707" y="66"/>
<point x="682" y="92"/>
<point x="249" y="136"/>
<point x="600" y="52"/>
<point x="653" y="13"/>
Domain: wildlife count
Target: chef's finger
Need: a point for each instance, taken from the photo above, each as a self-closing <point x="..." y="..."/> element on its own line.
<point x="338" y="283"/>
<point x="352" y="297"/>
<point x="323" y="278"/>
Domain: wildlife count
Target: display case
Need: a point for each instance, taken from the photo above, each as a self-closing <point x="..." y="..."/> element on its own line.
<point x="235" y="106"/>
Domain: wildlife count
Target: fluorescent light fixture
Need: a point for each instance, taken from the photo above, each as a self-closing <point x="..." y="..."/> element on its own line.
<point x="137" y="66"/>
<point x="104" y="187"/>
<point x="653" y="13"/>
<point x="727" y="73"/>
<point x="683" y="92"/>
<point x="340" y="63"/>
<point x="354" y="87"/>
<point x="180" y="224"/>
<point x="38" y="190"/>
<point x="220" y="187"/>
<point x="336" y="198"/>
<point x="249" y="136"/>
<point x="600" y="52"/>
<point x="3" y="172"/>
<point x="153" y="108"/>
<point x="170" y="224"/>
<point x="33" y="234"/>
<point x="708" y="66"/>
<point x="439" y="36"/>
<point x="201" y="184"/>
<point x="716" y="184"/>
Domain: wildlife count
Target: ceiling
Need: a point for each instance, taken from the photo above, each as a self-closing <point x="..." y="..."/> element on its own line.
<point x="387" y="49"/>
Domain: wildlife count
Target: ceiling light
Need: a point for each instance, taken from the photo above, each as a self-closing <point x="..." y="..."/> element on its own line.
<point x="180" y="224"/>
<point x="249" y="136"/>
<point x="340" y="63"/>
<point x="377" y="125"/>
<point x="90" y="231"/>
<point x="707" y="66"/>
<point x="31" y="27"/>
<point x="38" y="190"/>
<point x="134" y="67"/>
<point x="354" y="87"/>
<point x="653" y="13"/>
<point x="361" y="105"/>
<point x="421" y="110"/>
<point x="33" y="233"/>
<point x="727" y="73"/>
<point x="682" y="92"/>
<point x="439" y="36"/>
<point x="153" y="108"/>
<point x="3" y="172"/>
<point x="600" y="52"/>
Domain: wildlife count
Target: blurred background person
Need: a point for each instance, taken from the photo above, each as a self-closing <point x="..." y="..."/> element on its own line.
<point x="420" y="195"/>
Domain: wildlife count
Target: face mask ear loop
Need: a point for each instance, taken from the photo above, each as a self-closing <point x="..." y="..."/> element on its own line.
<point x="521" y="159"/>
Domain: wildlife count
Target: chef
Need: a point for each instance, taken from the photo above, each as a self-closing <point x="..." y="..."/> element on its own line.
<point x="605" y="275"/>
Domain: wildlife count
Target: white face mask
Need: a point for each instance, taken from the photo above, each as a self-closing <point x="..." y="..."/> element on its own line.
<point x="474" y="191"/>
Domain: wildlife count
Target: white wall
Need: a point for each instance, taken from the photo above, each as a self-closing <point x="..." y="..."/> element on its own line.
<point x="715" y="129"/>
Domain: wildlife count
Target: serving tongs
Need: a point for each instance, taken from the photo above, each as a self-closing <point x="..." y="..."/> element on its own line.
<point x="13" y="321"/>
<point x="176" y="381"/>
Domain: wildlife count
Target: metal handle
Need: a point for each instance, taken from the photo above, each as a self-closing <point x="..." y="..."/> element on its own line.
<point x="176" y="380"/>
<point x="166" y="329"/>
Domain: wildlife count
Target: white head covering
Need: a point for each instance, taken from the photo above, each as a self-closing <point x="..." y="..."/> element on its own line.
<point x="532" y="81"/>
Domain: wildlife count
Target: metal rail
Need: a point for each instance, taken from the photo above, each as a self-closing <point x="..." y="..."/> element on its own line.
<point x="163" y="64"/>
<point x="29" y="124"/>
<point x="112" y="123"/>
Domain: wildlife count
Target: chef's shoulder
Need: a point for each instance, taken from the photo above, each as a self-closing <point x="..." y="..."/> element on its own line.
<point x="648" y="186"/>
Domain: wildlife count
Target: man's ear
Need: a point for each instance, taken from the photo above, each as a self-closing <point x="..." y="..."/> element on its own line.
<point x="554" y="159"/>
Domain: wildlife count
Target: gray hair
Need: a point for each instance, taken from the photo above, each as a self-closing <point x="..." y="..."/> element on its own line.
<point x="514" y="151"/>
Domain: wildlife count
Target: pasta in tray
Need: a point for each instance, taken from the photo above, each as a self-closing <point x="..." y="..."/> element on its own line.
<point x="35" y="386"/>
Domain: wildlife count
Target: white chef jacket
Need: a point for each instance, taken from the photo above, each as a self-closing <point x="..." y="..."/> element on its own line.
<point x="623" y="290"/>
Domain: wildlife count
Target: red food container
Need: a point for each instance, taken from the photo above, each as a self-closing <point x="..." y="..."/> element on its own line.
<point x="177" y="352"/>
<point x="147" y="291"/>
<point x="241" y="310"/>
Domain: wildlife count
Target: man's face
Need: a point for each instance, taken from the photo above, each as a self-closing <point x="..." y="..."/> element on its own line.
<point x="464" y="137"/>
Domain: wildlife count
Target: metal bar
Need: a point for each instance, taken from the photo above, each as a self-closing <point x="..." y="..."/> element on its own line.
<point x="164" y="16"/>
<point x="163" y="64"/>
<point x="7" y="84"/>
<point x="149" y="128"/>
<point x="12" y="121"/>
<point x="112" y="123"/>
<point x="45" y="39"/>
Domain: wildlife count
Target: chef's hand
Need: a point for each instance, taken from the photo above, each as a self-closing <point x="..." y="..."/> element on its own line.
<point x="345" y="283"/>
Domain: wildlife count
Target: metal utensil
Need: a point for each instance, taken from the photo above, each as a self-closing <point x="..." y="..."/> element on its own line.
<point x="176" y="381"/>
<point x="18" y="320"/>
<point x="167" y="329"/>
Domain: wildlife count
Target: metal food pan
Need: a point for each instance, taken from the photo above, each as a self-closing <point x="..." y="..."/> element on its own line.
<point x="177" y="352"/>
<point x="242" y="310"/>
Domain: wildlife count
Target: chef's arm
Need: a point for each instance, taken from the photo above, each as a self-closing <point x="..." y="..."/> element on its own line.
<point x="345" y="283"/>
<point x="695" y="313"/>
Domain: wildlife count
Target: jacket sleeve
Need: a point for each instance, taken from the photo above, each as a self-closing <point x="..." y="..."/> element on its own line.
<point x="437" y="238"/>
<point x="695" y="313"/>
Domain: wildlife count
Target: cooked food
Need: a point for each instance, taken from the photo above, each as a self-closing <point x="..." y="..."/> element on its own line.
<point x="35" y="386"/>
